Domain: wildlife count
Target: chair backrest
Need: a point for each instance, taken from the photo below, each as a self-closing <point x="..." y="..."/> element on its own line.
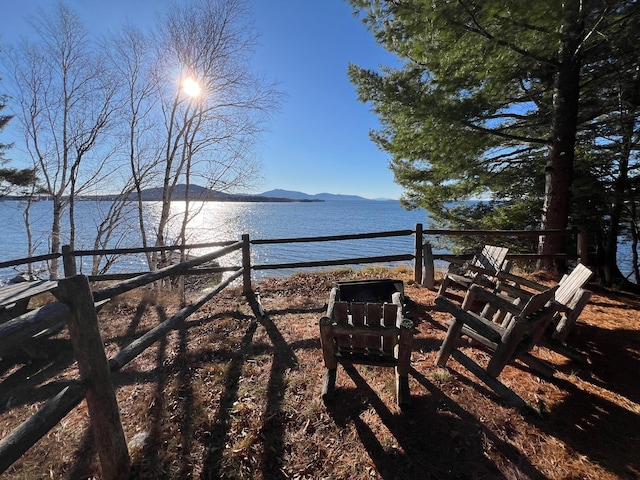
<point x="531" y="310"/>
<point x="570" y="284"/>
<point x="491" y="257"/>
<point x="374" y="326"/>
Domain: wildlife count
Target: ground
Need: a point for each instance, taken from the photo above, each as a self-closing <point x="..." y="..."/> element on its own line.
<point x="235" y="394"/>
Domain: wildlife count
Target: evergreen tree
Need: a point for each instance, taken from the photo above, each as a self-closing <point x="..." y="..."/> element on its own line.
<point x="11" y="177"/>
<point x="489" y="102"/>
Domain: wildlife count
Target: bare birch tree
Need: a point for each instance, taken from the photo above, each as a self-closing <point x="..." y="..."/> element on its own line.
<point x="208" y="132"/>
<point x="133" y="60"/>
<point x="123" y="100"/>
<point x="65" y="99"/>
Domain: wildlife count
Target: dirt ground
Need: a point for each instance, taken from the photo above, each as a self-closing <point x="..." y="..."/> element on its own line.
<point x="234" y="393"/>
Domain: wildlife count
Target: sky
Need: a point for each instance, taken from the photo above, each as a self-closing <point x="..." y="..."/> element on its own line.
<point x="318" y="142"/>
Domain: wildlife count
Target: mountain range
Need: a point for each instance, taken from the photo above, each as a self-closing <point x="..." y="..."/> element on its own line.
<point x="197" y="192"/>
<point x="324" y="197"/>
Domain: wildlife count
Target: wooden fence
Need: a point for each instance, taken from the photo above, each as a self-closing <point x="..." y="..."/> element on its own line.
<point x="78" y="306"/>
<point x="421" y="256"/>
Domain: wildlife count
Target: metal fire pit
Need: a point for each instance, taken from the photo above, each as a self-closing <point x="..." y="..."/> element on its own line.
<point x="378" y="291"/>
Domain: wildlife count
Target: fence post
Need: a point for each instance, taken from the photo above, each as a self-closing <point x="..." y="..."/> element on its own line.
<point x="94" y="369"/>
<point x="417" y="263"/>
<point x="583" y="247"/>
<point x="68" y="261"/>
<point x="246" y="264"/>
<point x="428" y="273"/>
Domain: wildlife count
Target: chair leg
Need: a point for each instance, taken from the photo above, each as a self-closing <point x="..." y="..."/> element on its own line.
<point x="444" y="285"/>
<point x="403" y="355"/>
<point x="328" y="387"/>
<point x="449" y="342"/>
<point x="403" y="394"/>
<point x="329" y="356"/>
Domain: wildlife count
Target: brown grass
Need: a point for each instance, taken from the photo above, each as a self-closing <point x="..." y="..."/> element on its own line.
<point x="232" y="395"/>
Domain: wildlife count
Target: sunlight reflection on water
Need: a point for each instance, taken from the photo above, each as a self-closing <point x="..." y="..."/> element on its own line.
<point x="227" y="221"/>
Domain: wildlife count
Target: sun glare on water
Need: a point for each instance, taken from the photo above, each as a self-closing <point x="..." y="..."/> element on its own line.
<point x="191" y="87"/>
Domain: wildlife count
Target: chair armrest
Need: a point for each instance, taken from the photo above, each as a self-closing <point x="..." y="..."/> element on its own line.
<point x="484" y="271"/>
<point x="457" y="262"/>
<point x="513" y="291"/>
<point x="484" y="327"/>
<point x="493" y="299"/>
<point x="503" y="275"/>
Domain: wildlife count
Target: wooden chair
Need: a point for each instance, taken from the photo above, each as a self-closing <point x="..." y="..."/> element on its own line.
<point x="508" y="342"/>
<point x="481" y="270"/>
<point x="369" y="333"/>
<point x="570" y="297"/>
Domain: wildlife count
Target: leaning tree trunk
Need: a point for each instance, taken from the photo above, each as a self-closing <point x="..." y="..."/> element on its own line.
<point x="559" y="169"/>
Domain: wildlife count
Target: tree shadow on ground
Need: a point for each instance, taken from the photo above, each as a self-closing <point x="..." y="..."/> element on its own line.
<point x="434" y="438"/>
<point x="614" y="359"/>
<point x="29" y="382"/>
<point x="273" y="429"/>
<point x="599" y="429"/>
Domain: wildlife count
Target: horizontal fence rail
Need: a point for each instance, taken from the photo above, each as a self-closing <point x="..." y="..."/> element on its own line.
<point x="416" y="255"/>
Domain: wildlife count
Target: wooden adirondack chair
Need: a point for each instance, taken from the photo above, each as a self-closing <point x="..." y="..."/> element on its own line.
<point x="507" y="343"/>
<point x="481" y="270"/>
<point x="570" y="297"/>
<point x="371" y="333"/>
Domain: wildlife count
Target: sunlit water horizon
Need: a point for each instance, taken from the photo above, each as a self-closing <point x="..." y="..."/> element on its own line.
<point x="227" y="221"/>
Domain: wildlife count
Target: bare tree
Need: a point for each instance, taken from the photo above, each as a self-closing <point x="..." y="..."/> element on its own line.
<point x="122" y="100"/>
<point x="132" y="58"/>
<point x="66" y="101"/>
<point x="209" y="131"/>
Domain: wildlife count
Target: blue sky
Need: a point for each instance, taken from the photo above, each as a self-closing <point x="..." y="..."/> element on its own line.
<point x="318" y="141"/>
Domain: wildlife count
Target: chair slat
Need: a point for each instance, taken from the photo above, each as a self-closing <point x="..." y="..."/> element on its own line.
<point x="357" y="310"/>
<point x="570" y="284"/>
<point x="374" y="315"/>
<point x="340" y="312"/>
<point x="390" y="315"/>
<point x="357" y="313"/>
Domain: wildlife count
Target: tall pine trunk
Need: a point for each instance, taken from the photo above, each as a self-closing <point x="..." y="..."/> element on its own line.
<point x="559" y="169"/>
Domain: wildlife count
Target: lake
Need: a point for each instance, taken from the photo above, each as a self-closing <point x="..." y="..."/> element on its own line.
<point x="222" y="221"/>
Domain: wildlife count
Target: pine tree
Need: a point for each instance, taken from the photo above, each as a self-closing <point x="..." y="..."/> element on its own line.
<point x="490" y="102"/>
<point x="11" y="177"/>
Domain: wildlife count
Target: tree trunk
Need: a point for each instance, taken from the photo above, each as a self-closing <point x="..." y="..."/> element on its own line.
<point x="634" y="243"/>
<point x="559" y="169"/>
<point x="55" y="235"/>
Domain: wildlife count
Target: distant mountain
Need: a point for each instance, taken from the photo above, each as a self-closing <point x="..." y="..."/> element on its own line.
<point x="197" y="192"/>
<point x="304" y="196"/>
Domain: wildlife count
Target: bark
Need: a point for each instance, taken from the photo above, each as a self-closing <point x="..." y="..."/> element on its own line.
<point x="559" y="169"/>
<point x="629" y="102"/>
<point x="55" y="236"/>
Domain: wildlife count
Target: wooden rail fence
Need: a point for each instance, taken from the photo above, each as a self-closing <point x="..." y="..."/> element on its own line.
<point x="78" y="304"/>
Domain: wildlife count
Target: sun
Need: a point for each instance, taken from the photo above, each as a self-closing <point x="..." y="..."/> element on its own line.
<point x="191" y="87"/>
